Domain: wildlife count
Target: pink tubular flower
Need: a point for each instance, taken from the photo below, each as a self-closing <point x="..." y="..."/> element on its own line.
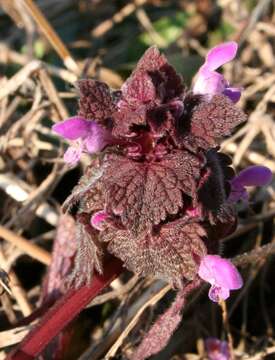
<point x="98" y="219"/>
<point x="88" y="136"/>
<point x="252" y="176"/>
<point x="216" y="349"/>
<point x="221" y="274"/>
<point x="210" y="82"/>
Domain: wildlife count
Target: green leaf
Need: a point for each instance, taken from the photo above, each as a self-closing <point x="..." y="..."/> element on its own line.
<point x="167" y="28"/>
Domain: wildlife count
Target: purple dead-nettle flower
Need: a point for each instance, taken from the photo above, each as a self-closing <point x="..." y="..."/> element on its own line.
<point x="222" y="276"/>
<point x="217" y="349"/>
<point x="87" y="136"/>
<point x="252" y="176"/>
<point x="209" y="81"/>
<point x="157" y="197"/>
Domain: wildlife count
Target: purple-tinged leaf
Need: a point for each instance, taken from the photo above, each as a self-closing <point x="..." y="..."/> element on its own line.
<point x="137" y="90"/>
<point x="168" y="83"/>
<point x="162" y="330"/>
<point x="64" y="250"/>
<point x="153" y="83"/>
<point x="214" y="189"/>
<point x="210" y="122"/>
<point x="89" y="255"/>
<point x="125" y="119"/>
<point x="88" y="192"/>
<point x="151" y="60"/>
<point x="171" y="253"/>
<point x="144" y="194"/>
<point x="96" y="101"/>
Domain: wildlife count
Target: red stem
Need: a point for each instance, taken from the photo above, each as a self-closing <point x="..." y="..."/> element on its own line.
<point x="36" y="313"/>
<point x="63" y="312"/>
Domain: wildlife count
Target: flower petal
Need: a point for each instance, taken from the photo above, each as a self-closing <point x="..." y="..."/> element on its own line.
<point x="221" y="274"/>
<point x="209" y="82"/>
<point x="253" y="176"/>
<point x="97" y="139"/>
<point x="72" y="155"/>
<point x="233" y="93"/>
<point x="217" y="293"/>
<point x="237" y="193"/>
<point x="220" y="54"/>
<point x="73" y="128"/>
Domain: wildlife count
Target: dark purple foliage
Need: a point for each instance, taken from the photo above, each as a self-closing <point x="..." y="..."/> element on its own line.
<point x="170" y="253"/>
<point x="96" y="101"/>
<point x="210" y="121"/>
<point x="143" y="194"/>
<point x="161" y="180"/>
<point x="161" y="331"/>
<point x="63" y="255"/>
<point x="158" y="181"/>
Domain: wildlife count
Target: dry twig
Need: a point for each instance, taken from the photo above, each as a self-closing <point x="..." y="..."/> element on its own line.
<point x="33" y="250"/>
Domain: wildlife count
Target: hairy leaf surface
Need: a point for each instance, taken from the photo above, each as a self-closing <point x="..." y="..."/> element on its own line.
<point x="211" y="121"/>
<point x="89" y="255"/>
<point x="143" y="194"/>
<point x="88" y="188"/>
<point x="96" y="102"/>
<point x="169" y="254"/>
<point x="214" y="188"/>
<point x="153" y="83"/>
<point x="162" y="330"/>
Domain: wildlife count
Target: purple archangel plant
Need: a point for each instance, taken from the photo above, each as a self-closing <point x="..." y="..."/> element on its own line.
<point x="158" y="193"/>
